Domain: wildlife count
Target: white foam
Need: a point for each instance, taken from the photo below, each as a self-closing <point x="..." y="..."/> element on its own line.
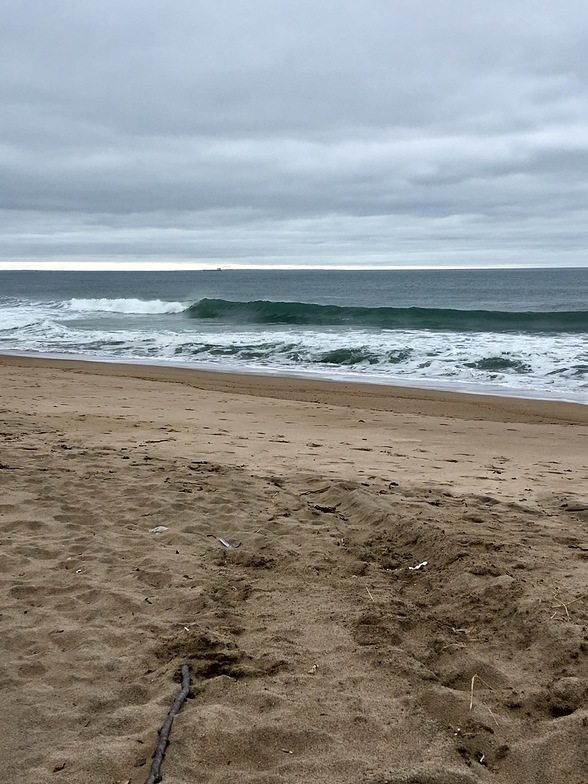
<point x="425" y="358"/>
<point x="151" y="306"/>
<point x="18" y="316"/>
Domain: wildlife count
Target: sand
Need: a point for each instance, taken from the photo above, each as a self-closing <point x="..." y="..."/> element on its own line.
<point x="317" y="653"/>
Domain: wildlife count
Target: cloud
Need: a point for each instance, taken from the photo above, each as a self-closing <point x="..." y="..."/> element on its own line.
<point x="294" y="132"/>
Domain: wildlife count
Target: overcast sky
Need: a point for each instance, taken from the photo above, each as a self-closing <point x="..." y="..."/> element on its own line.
<point x="286" y="132"/>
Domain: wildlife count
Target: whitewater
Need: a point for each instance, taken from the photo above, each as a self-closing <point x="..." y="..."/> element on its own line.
<point x="522" y="332"/>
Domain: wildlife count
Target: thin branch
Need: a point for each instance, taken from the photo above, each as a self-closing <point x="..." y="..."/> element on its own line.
<point x="158" y="755"/>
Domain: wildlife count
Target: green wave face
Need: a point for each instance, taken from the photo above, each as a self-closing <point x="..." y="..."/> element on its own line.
<point x="300" y="313"/>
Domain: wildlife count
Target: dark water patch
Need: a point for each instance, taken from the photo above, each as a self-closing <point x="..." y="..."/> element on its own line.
<point x="96" y="345"/>
<point x="499" y="365"/>
<point x="579" y="370"/>
<point x="224" y="351"/>
<point x="253" y="354"/>
<point x="574" y="370"/>
<point x="236" y="350"/>
<point x="399" y="355"/>
<point x="348" y="356"/>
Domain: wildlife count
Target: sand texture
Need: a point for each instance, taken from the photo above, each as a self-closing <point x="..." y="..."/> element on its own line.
<point x="316" y="653"/>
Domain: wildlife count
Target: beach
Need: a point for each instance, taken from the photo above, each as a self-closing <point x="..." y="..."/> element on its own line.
<point x="403" y="601"/>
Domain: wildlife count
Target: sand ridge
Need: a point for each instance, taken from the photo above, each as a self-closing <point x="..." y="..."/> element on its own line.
<point x="316" y="653"/>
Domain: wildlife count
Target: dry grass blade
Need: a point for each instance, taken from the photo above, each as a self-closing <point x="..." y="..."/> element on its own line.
<point x="474" y="678"/>
<point x="559" y="604"/>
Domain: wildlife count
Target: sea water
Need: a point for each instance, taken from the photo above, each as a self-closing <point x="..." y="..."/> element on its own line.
<point x="513" y="332"/>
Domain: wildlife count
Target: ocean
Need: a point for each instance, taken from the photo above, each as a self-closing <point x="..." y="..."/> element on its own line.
<point x="511" y="332"/>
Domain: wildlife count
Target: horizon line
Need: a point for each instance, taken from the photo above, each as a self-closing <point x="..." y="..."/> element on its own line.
<point x="35" y="266"/>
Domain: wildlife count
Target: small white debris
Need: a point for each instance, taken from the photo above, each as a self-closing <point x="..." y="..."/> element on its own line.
<point x="226" y="542"/>
<point x="159" y="529"/>
<point x="78" y="571"/>
<point x="418" y="566"/>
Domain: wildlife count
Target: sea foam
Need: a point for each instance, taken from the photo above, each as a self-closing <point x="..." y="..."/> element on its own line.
<point x="124" y="306"/>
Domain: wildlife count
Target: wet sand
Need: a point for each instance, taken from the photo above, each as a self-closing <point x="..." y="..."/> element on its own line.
<point x="316" y="652"/>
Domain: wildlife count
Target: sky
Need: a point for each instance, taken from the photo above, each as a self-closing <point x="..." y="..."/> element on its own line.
<point x="366" y="133"/>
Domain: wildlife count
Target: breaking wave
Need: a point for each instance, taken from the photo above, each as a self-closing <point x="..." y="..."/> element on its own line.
<point x="152" y="306"/>
<point x="297" y="313"/>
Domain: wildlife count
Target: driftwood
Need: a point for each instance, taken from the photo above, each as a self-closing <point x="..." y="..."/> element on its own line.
<point x="159" y="753"/>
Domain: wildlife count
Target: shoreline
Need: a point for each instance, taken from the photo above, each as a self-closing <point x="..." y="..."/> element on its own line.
<point x="364" y="395"/>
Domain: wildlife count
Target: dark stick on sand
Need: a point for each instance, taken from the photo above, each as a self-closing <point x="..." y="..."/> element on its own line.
<point x="158" y="755"/>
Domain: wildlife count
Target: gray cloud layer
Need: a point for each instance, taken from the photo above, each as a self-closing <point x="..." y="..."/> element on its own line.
<point x="284" y="131"/>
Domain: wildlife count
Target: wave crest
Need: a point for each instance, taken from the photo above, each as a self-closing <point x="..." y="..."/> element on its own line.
<point x="301" y="313"/>
<point x="153" y="306"/>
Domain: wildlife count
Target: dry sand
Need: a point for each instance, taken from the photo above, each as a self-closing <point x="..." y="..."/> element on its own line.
<point x="316" y="653"/>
